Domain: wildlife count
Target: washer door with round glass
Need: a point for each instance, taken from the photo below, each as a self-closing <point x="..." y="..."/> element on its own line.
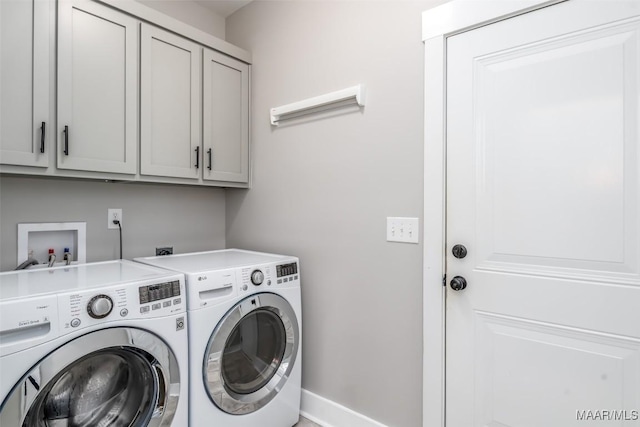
<point x="119" y="377"/>
<point x="251" y="353"/>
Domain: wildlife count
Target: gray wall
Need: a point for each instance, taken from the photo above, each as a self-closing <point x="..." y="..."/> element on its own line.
<point x="187" y="218"/>
<point x="322" y="189"/>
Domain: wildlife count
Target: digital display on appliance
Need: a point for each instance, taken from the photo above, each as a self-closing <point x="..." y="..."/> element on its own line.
<point x="159" y="291"/>
<point x="286" y="269"/>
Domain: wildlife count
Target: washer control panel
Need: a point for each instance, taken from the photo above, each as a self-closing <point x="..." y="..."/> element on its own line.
<point x="121" y="302"/>
<point x="160" y="296"/>
<point x="159" y="292"/>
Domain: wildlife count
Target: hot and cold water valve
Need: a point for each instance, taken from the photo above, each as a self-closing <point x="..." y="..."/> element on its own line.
<point x="44" y="244"/>
<point x="67" y="257"/>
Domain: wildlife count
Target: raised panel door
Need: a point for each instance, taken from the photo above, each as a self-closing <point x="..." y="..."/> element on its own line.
<point x="543" y="188"/>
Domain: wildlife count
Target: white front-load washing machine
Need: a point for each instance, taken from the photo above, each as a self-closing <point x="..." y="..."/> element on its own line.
<point x="245" y="351"/>
<point x="100" y="344"/>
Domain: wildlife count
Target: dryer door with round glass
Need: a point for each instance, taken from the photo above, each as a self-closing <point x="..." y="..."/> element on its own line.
<point x="251" y="353"/>
<point x="119" y="377"/>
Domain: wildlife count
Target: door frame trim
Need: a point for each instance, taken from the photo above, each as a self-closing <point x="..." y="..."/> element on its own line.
<point x="438" y="24"/>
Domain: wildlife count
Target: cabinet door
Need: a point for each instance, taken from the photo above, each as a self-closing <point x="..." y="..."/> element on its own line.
<point x="24" y="82"/>
<point x="97" y="88"/>
<point x="169" y="105"/>
<point x="226" y="118"/>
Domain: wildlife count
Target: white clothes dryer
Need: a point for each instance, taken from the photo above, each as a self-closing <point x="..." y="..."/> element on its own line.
<point x="100" y="344"/>
<point x="244" y="311"/>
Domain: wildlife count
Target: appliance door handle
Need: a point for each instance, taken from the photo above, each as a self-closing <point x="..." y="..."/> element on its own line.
<point x="42" y="129"/>
<point x="210" y="153"/>
<point x="66" y="141"/>
<point x="158" y="411"/>
<point x="197" y="150"/>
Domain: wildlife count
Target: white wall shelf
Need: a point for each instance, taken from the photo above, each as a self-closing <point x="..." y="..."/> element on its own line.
<point x="341" y="98"/>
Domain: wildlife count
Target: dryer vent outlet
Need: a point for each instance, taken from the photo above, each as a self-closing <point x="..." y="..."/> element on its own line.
<point x="167" y="250"/>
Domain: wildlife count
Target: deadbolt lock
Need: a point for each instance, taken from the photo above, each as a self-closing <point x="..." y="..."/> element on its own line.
<point x="459" y="251"/>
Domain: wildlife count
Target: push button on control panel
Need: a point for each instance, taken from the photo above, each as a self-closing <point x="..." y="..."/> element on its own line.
<point x="144" y="309"/>
<point x="75" y="322"/>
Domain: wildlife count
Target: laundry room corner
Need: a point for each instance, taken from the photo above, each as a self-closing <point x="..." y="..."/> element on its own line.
<point x="324" y="186"/>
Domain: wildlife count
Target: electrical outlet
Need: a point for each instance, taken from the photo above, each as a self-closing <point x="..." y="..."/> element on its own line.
<point x="114" y="214"/>
<point x="405" y="230"/>
<point x="167" y="250"/>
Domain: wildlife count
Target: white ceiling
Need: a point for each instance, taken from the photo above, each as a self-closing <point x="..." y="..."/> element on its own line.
<point x="223" y="8"/>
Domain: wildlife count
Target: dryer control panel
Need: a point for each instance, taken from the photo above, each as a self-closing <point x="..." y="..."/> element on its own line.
<point x="266" y="276"/>
<point x="287" y="272"/>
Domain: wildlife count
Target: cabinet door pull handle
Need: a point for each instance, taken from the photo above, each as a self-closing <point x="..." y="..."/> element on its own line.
<point x="66" y="141"/>
<point x="209" y="152"/>
<point x="42" y="128"/>
<point x="197" y="157"/>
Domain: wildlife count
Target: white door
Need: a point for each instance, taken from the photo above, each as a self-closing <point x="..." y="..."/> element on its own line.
<point x="97" y="88"/>
<point x="25" y="58"/>
<point x="543" y="190"/>
<point x="170" y="101"/>
<point x="225" y="118"/>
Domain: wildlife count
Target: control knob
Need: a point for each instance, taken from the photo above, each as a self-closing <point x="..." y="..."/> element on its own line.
<point x="257" y="277"/>
<point x="100" y="306"/>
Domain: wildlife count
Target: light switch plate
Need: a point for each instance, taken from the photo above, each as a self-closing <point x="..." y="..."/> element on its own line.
<point x="403" y="229"/>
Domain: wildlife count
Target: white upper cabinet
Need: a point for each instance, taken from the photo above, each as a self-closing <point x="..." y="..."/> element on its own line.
<point x="170" y="100"/>
<point x="25" y="59"/>
<point x="97" y="88"/>
<point x="141" y="96"/>
<point x="226" y="118"/>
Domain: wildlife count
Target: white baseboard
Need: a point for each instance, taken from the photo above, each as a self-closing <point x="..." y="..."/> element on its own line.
<point x="331" y="414"/>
